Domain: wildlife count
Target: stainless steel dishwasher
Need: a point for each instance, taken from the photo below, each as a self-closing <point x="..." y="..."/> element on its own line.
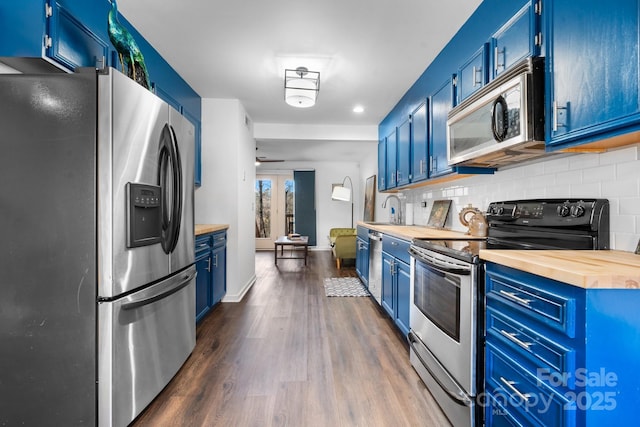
<point x="375" y="265"/>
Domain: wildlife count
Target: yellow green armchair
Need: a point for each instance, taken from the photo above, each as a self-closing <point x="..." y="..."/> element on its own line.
<point x="343" y="244"/>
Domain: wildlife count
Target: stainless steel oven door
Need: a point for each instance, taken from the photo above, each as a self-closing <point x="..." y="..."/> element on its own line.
<point x="443" y="312"/>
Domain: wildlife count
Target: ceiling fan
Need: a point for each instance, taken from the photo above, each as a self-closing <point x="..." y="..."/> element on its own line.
<point x="263" y="159"/>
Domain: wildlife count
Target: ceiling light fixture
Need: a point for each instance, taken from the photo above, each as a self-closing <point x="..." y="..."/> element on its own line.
<point x="301" y="87"/>
<point x="358" y="109"/>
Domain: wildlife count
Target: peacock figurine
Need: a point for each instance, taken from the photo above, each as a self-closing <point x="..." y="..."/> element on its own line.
<point x="127" y="48"/>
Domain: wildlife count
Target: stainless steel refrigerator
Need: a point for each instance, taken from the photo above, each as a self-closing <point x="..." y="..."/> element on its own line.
<point x="97" y="288"/>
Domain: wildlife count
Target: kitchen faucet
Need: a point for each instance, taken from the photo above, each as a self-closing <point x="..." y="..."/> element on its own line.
<point x="399" y="218"/>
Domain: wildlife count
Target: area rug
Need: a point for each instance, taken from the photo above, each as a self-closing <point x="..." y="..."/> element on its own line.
<point x="344" y="287"/>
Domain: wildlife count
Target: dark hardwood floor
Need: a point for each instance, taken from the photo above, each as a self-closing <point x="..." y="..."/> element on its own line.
<point x="289" y="356"/>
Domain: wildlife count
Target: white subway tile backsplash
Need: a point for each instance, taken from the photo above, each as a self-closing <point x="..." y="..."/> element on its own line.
<point x="629" y="206"/>
<point x="570" y="177"/>
<point x="562" y="191"/>
<point x="560" y="164"/>
<point x="624" y="241"/>
<point x="586" y="190"/>
<point x="620" y="188"/>
<point x="623" y="224"/>
<point x="583" y="161"/>
<point x="619" y="156"/>
<point x="599" y="174"/>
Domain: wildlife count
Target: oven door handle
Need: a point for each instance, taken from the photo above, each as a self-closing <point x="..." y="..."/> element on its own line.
<point x="456" y="397"/>
<point x="439" y="267"/>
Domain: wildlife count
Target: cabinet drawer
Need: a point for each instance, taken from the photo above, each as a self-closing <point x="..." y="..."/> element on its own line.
<point x="554" y="309"/>
<point x="521" y="340"/>
<point x="397" y="248"/>
<point x="363" y="233"/>
<point x="219" y="239"/>
<point x="496" y="415"/>
<point x="522" y="394"/>
<point x="203" y="243"/>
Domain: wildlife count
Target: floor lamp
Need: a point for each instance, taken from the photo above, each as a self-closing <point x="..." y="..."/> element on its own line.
<point x="344" y="194"/>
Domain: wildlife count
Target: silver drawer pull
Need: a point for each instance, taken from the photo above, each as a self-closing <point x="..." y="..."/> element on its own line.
<point x="512" y="337"/>
<point x="510" y="386"/>
<point x="513" y="297"/>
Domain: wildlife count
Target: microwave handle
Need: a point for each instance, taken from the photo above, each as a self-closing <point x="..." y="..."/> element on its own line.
<point x="499" y="120"/>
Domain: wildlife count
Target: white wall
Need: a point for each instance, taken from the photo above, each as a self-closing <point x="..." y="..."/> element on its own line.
<point x="226" y="194"/>
<point x="614" y="175"/>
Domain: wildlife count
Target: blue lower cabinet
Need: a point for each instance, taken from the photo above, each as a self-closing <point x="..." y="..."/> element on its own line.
<point x="211" y="266"/>
<point x="396" y="281"/>
<point x="203" y="285"/>
<point x="362" y="260"/>
<point x="557" y="354"/>
<point x="219" y="274"/>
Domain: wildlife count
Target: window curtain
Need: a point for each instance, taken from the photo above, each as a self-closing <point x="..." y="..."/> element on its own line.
<point x="305" y="204"/>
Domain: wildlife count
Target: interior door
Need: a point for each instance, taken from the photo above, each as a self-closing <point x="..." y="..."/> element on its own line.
<point x="274" y="197"/>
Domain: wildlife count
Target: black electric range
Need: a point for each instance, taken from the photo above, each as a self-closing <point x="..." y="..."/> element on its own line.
<point x="534" y="224"/>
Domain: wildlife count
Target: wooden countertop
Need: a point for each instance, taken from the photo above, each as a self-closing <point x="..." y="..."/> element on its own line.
<point x="409" y="232"/>
<point x="586" y="269"/>
<point x="210" y="228"/>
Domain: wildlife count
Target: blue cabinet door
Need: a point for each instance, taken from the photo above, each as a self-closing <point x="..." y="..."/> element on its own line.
<point x="382" y="165"/>
<point x="22" y="28"/>
<point x="71" y="43"/>
<point x="391" y="165"/>
<point x="419" y="144"/>
<point x="473" y="74"/>
<point x="441" y="103"/>
<point x="593" y="75"/>
<point x="362" y="260"/>
<point x="387" y="283"/>
<point x="203" y="285"/>
<point x="516" y="39"/>
<point x="403" y="297"/>
<point x="403" y="173"/>
<point x="218" y="274"/>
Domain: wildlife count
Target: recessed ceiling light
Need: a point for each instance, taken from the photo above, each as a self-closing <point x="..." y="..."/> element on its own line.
<point x="358" y="109"/>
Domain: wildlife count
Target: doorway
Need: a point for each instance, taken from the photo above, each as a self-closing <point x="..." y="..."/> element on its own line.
<point x="274" y="199"/>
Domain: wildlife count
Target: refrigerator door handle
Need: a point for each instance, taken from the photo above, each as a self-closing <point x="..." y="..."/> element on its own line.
<point x="169" y="158"/>
<point x="177" y="189"/>
<point x="183" y="281"/>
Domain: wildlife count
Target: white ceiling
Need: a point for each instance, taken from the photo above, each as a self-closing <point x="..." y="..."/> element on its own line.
<point x="368" y="52"/>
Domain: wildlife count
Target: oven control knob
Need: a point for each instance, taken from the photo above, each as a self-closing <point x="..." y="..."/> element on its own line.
<point x="577" y="211"/>
<point x="564" y="210"/>
<point x="500" y="210"/>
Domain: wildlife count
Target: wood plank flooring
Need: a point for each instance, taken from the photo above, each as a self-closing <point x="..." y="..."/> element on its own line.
<point x="289" y="356"/>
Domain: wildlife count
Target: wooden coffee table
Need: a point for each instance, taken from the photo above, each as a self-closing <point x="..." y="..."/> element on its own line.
<point x="299" y="245"/>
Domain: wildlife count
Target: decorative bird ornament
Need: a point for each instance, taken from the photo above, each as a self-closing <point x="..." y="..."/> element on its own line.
<point x="127" y="48"/>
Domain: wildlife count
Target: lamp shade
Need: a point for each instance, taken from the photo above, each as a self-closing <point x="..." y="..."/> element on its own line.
<point x="341" y="193"/>
<point x="301" y="87"/>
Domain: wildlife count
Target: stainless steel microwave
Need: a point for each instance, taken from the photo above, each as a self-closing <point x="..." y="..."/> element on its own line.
<point x="502" y="123"/>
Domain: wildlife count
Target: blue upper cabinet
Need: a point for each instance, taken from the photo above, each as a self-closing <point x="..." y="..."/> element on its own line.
<point x="592" y="79"/>
<point x="419" y="144"/>
<point x="441" y="102"/>
<point x="382" y="164"/>
<point x="391" y="165"/>
<point x="22" y="28"/>
<point x="474" y="73"/>
<point x="71" y="43"/>
<point x="517" y="39"/>
<point x="403" y="174"/>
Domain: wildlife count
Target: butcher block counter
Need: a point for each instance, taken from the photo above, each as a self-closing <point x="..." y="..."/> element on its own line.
<point x="585" y="269"/>
<point x="409" y="232"/>
<point x="209" y="228"/>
